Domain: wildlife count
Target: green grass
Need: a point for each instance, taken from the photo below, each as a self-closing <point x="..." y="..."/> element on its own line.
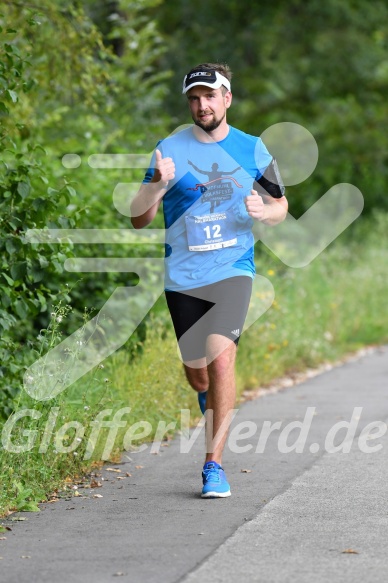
<point x="321" y="312"/>
<point x="153" y="386"/>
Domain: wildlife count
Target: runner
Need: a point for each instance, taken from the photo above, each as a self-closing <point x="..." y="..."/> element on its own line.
<point x="209" y="263"/>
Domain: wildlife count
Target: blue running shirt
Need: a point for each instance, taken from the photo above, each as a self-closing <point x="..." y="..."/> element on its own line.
<point x="208" y="230"/>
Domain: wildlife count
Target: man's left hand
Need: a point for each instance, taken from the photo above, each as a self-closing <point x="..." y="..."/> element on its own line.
<point x="255" y="206"/>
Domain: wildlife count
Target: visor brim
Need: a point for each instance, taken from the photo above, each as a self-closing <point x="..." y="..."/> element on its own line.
<point x="219" y="81"/>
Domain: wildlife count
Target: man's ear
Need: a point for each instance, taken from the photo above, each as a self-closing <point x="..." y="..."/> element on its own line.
<point x="228" y="99"/>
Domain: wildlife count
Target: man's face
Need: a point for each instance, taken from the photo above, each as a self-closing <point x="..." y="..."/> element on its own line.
<point x="208" y="106"/>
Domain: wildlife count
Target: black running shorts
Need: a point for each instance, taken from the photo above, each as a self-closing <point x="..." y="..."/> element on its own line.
<point x="219" y="308"/>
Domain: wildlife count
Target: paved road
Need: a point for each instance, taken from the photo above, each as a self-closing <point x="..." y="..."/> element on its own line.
<point x="290" y="517"/>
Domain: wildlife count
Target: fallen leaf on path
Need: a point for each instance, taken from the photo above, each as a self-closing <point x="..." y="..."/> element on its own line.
<point x="95" y="484"/>
<point x="350" y="552"/>
<point x="25" y="557"/>
<point x="128" y="474"/>
<point x="113" y="470"/>
<point x="15" y="518"/>
<point x="97" y="496"/>
<point x="121" y="477"/>
<point x="3" y="538"/>
<point x="139" y="467"/>
<point x="76" y="493"/>
<point x="246" y="471"/>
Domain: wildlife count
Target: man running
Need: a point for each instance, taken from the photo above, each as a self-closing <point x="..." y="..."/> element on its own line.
<point x="209" y="262"/>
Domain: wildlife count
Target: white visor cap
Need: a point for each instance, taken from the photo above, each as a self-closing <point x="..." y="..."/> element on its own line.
<point x="212" y="79"/>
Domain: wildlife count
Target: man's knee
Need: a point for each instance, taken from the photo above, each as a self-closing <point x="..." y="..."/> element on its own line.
<point x="198" y="378"/>
<point x="223" y="364"/>
<point x="221" y="353"/>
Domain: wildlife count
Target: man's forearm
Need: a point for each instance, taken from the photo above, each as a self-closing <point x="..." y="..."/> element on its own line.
<point x="275" y="211"/>
<point x="146" y="203"/>
<point x="265" y="208"/>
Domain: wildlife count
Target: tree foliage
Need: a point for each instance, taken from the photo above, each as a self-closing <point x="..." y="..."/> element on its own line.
<point x="322" y="65"/>
<point x="27" y="201"/>
<point x="62" y="89"/>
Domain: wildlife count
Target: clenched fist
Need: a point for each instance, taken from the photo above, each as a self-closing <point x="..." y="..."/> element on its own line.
<point x="255" y="206"/>
<point x="164" y="169"/>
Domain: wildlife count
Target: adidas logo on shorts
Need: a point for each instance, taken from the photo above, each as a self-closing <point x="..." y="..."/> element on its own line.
<point x="236" y="332"/>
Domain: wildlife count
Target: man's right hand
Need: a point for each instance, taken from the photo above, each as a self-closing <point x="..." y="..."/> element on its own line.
<point x="164" y="169"/>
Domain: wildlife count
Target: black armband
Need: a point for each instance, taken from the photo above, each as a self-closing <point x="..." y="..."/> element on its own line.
<point x="270" y="182"/>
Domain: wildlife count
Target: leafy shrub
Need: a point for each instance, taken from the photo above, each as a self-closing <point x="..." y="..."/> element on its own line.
<point x="27" y="201"/>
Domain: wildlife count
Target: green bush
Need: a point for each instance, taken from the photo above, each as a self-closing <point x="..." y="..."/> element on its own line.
<point x="27" y="201"/>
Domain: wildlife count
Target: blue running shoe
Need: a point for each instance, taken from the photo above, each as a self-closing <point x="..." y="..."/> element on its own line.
<point x="202" y="401"/>
<point x="215" y="484"/>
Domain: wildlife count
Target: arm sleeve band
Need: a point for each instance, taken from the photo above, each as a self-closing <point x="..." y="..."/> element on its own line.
<point x="270" y="182"/>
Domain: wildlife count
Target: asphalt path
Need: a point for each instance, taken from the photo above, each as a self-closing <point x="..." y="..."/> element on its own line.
<point x="313" y="514"/>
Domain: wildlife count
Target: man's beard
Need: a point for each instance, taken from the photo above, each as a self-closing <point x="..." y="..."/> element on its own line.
<point x="209" y="126"/>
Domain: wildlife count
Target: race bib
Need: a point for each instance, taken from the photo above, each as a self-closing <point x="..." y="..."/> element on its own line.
<point x="209" y="232"/>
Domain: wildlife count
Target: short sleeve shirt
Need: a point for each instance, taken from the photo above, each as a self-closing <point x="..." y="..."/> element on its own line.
<point x="208" y="230"/>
